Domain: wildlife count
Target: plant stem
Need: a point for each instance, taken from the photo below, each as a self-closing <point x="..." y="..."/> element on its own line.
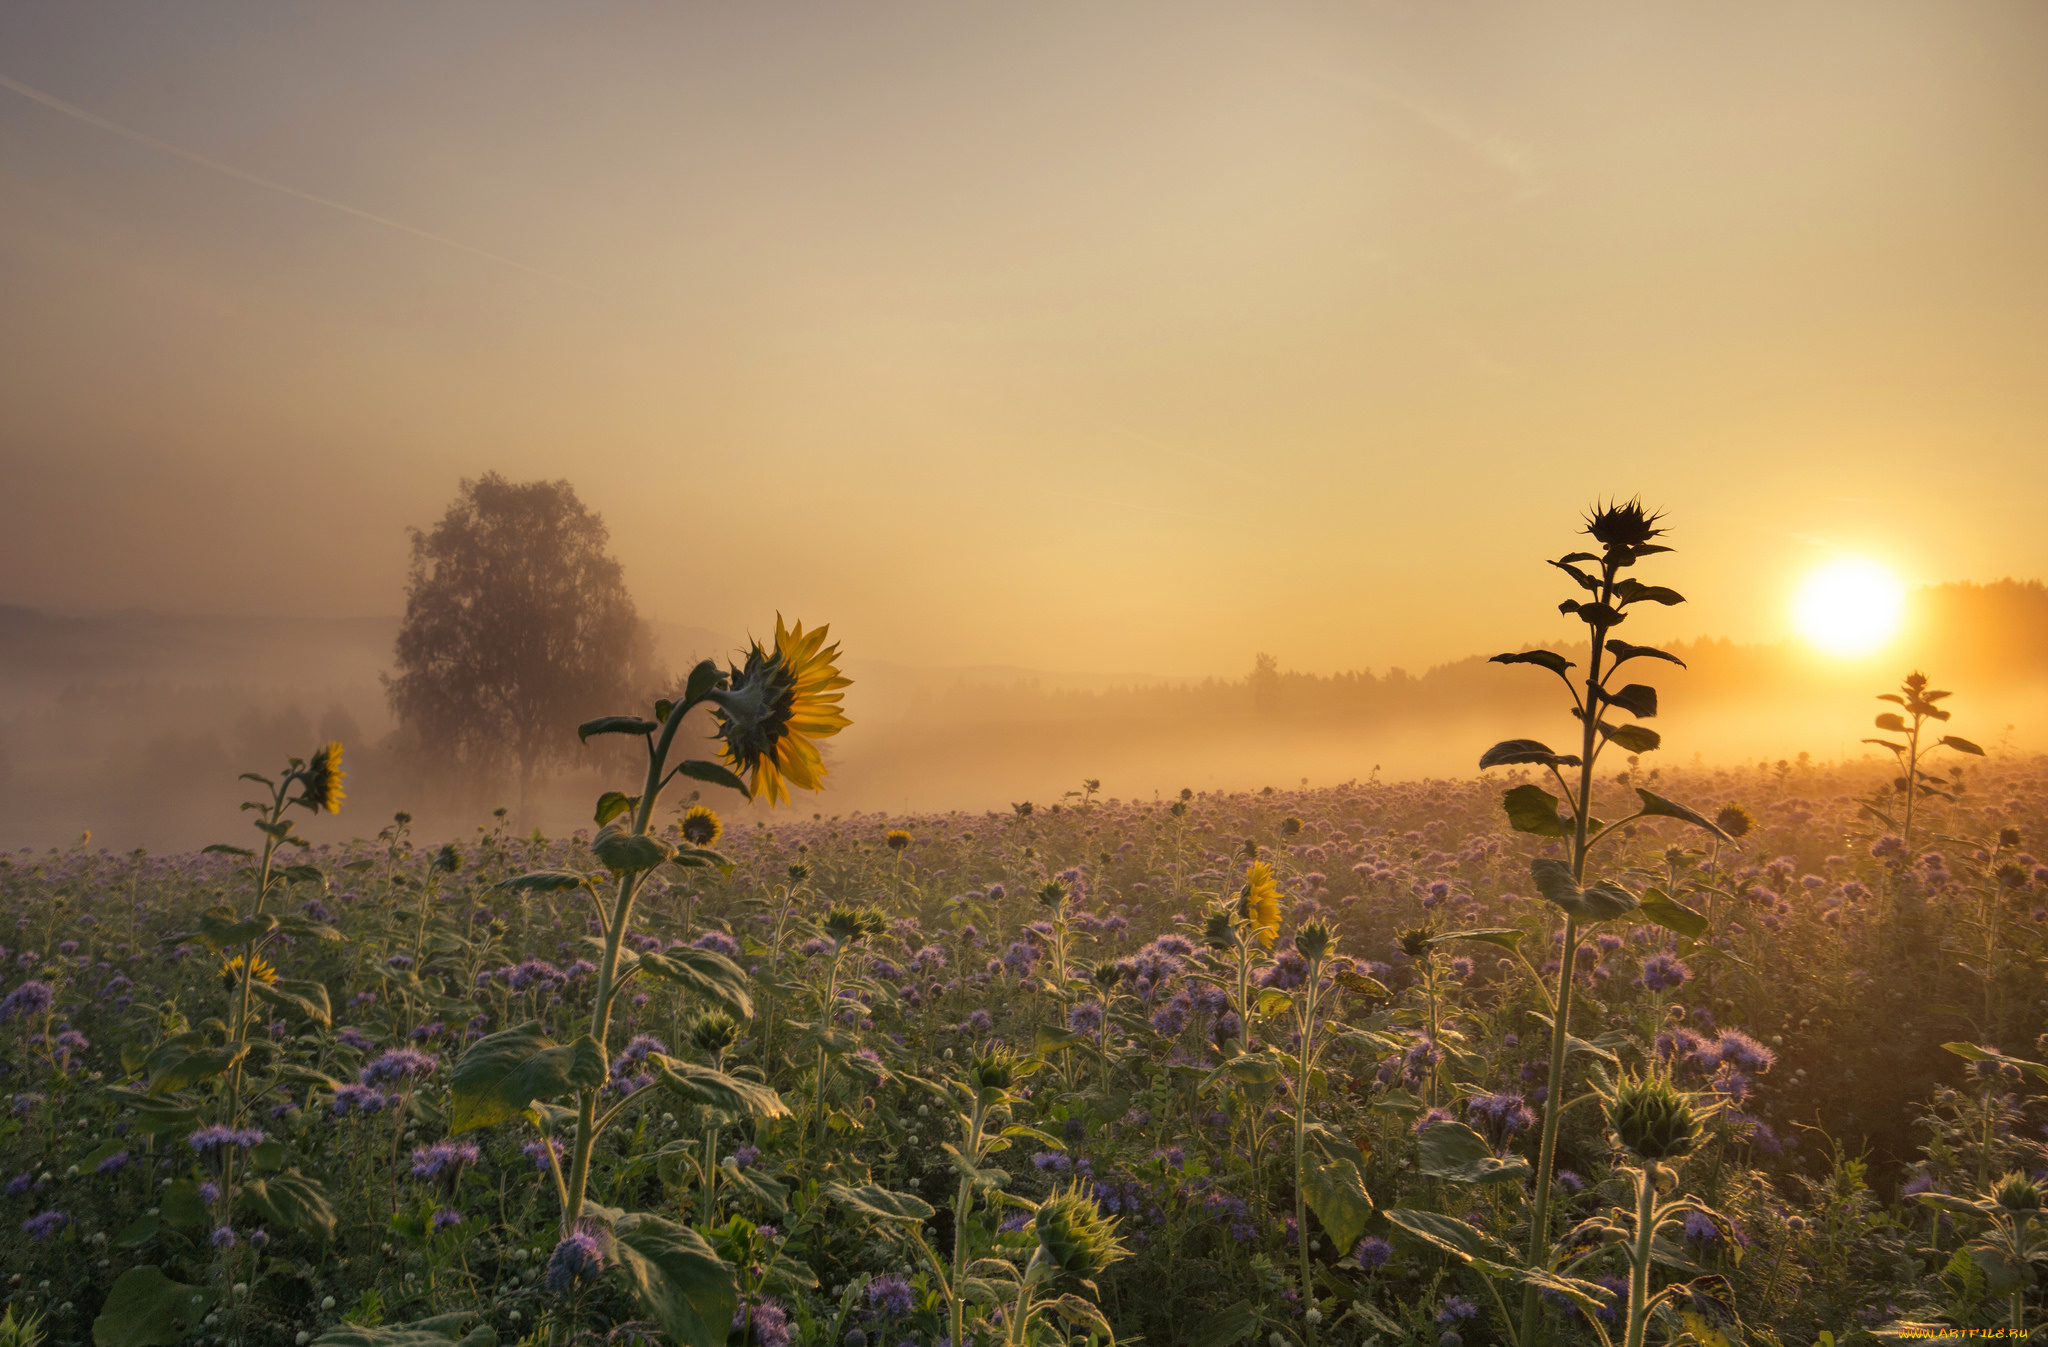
<point x="962" y="1201"/>
<point x="1639" y="1263"/>
<point x="1308" y="1024"/>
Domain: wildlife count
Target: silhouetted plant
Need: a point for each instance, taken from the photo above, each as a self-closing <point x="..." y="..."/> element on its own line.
<point x="1626" y="533"/>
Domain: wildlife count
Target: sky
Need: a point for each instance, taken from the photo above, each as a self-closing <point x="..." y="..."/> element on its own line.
<point x="1133" y="337"/>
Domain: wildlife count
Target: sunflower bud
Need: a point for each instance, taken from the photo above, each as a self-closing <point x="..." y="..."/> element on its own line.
<point x="320" y="781"/>
<point x="992" y="1071"/>
<point x="1052" y="894"/>
<point x="847" y="924"/>
<point x="799" y="872"/>
<point x="2016" y="1192"/>
<point x="1415" y="943"/>
<point x="713" y="1031"/>
<point x="448" y="859"/>
<point x="1313" y="941"/>
<point x="1651" y="1119"/>
<point x="1216" y="929"/>
<point x="1623" y="526"/>
<point x="1074" y="1236"/>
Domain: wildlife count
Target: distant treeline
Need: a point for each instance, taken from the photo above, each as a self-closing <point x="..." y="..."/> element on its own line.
<point x="1977" y="637"/>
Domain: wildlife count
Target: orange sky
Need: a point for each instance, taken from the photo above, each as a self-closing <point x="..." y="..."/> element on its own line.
<point x="1133" y="337"/>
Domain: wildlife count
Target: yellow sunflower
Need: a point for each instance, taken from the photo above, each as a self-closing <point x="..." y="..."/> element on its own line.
<point x="897" y="839"/>
<point x="322" y="778"/>
<point x="777" y="706"/>
<point x="1258" y="902"/>
<point x="259" y="971"/>
<point x="701" y="827"/>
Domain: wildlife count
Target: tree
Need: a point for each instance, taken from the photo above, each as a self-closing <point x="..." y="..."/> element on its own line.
<point x="517" y="626"/>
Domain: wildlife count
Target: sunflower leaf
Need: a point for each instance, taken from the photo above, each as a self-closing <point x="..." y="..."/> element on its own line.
<point x="1656" y="806"/>
<point x="1510" y="752"/>
<point x="705" y="972"/>
<point x="1532" y="809"/>
<point x="1622" y="650"/>
<point x="613" y="803"/>
<point x="715" y="774"/>
<point x="1633" y="738"/>
<point x="1961" y="745"/>
<point x="614" y="725"/>
<point x="1638" y="699"/>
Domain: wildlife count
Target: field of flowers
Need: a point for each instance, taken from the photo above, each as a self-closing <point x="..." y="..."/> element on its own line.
<point x="1264" y="1067"/>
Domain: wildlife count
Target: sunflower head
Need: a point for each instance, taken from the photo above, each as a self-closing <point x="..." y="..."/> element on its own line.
<point x="1417" y="942"/>
<point x="1073" y="1234"/>
<point x="799" y="871"/>
<point x="1623" y="526"/>
<point x="2017" y="1192"/>
<point x="448" y="859"/>
<point x="896" y="839"/>
<point x="320" y="780"/>
<point x="1052" y="894"/>
<point x="1734" y="820"/>
<point x="1258" y="902"/>
<point x="774" y="709"/>
<point x="701" y="827"/>
<point x="847" y="924"/>
<point x="713" y="1031"/>
<point x="1651" y="1118"/>
<point x="259" y="971"/>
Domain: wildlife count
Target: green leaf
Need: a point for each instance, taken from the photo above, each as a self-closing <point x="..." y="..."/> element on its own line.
<point x="1228" y="1327"/>
<point x="662" y="706"/>
<point x="293" y="1201"/>
<point x="502" y="1073"/>
<point x="703" y="679"/>
<point x="1592" y="614"/>
<point x="1595" y="902"/>
<point x="154" y="1117"/>
<point x="189" y="1068"/>
<point x="1511" y="751"/>
<point x="1080" y="1313"/>
<point x="144" y="1308"/>
<point x="614" y="725"/>
<point x="543" y="881"/>
<point x="1506" y="937"/>
<point x="1891" y="720"/>
<point x="613" y="803"/>
<point x="679" y="1280"/>
<point x="1970" y="1052"/>
<point x="714" y="774"/>
<point x="1532" y="809"/>
<point x="1353" y="981"/>
<point x="696" y="858"/>
<point x="1961" y="745"/>
<point x="1451" y="1235"/>
<point x="1335" y="1191"/>
<point x="1635" y="591"/>
<point x="305" y="928"/>
<point x="705" y="972"/>
<point x="1656" y="806"/>
<point x="623" y="851"/>
<point x="1638" y="699"/>
<point x="1549" y="659"/>
<point x="1622" y="650"/>
<point x="182" y="1207"/>
<point x="1672" y="915"/>
<point x="703" y="1086"/>
<point x="304" y="874"/>
<point x="1633" y="738"/>
<point x="1451" y="1150"/>
<point x="439" y="1331"/>
<point x="308" y="998"/>
<point x="224" y="849"/>
<point x="880" y="1203"/>
<point x="221" y="927"/>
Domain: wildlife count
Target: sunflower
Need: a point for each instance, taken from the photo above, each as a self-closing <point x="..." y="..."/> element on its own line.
<point x="897" y="839"/>
<point x="701" y="827"/>
<point x="1258" y="902"/>
<point x="777" y="705"/>
<point x="259" y="971"/>
<point x="322" y="779"/>
<point x="1624" y="525"/>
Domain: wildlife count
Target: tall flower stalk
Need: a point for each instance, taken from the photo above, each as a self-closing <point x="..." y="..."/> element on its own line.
<point x="1626" y="534"/>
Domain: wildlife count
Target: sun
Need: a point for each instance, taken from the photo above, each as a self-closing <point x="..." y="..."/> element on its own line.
<point x="1849" y="607"/>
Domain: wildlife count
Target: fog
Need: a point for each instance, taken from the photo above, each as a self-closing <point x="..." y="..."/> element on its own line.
<point x="135" y="726"/>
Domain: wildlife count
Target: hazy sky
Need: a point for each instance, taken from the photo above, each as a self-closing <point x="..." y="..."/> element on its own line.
<point x="1116" y="337"/>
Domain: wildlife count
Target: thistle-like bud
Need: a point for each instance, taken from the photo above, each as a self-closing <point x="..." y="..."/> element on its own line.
<point x="992" y="1070"/>
<point x="1652" y="1119"/>
<point x="1415" y="943"/>
<point x="847" y="924"/>
<point x="448" y="859"/>
<point x="1108" y="974"/>
<point x="799" y="872"/>
<point x="1052" y="894"/>
<point x="2016" y="1192"/>
<point x="1313" y="941"/>
<point x="713" y="1031"/>
<point x="1216" y="929"/>
<point x="1074" y="1236"/>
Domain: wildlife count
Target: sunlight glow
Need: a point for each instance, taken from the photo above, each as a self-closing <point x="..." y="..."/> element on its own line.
<point x="1849" y="607"/>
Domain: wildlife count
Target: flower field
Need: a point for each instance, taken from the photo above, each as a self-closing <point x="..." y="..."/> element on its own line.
<point x="1812" y="1009"/>
<point x="1697" y="1056"/>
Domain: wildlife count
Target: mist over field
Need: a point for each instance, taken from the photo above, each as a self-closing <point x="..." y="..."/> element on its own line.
<point x="134" y="725"/>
